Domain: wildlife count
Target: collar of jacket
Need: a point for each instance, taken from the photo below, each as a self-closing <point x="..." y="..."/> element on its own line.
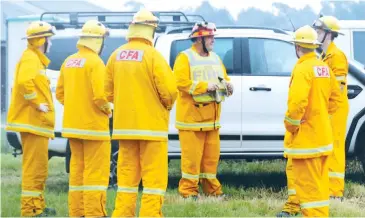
<point x="44" y="59"/>
<point x="331" y="49"/>
<point x="307" y="56"/>
<point x="84" y="49"/>
<point x="193" y="47"/>
<point x="140" y="40"/>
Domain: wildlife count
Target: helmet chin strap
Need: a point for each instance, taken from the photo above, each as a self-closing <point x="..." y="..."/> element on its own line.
<point x="101" y="47"/>
<point x="45" y="47"/>
<point x="204" y="47"/>
<point x="320" y="49"/>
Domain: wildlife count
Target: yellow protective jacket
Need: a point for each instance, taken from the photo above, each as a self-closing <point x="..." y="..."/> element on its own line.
<point x="31" y="87"/>
<point x="142" y="87"/>
<point x="313" y="96"/>
<point x="191" y="115"/>
<point x="338" y="63"/>
<point x="80" y="88"/>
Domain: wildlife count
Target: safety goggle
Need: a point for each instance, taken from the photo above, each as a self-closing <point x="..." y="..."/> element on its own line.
<point x="51" y="31"/>
<point x="318" y="24"/>
<point x="154" y="22"/>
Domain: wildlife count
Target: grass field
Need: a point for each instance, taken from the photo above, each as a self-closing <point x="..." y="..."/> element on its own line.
<point x="257" y="189"/>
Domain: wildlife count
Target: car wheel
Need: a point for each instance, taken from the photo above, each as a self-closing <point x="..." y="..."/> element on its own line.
<point x="361" y="157"/>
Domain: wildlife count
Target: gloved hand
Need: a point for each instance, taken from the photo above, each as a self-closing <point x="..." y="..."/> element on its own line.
<point x="212" y="87"/>
<point x="230" y="88"/>
<point x="43" y="107"/>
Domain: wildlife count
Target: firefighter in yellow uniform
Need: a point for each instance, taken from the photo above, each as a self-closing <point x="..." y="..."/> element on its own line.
<point x="328" y="29"/>
<point x="313" y="96"/>
<point x="31" y="113"/>
<point x="203" y="83"/>
<point x="80" y="89"/>
<point x="143" y="90"/>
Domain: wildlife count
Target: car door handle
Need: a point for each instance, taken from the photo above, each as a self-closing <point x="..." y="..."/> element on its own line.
<point x="260" y="89"/>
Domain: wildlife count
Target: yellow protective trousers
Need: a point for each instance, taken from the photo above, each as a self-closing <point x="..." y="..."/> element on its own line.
<point x="34" y="173"/>
<point x="141" y="159"/>
<point x="337" y="161"/>
<point x="89" y="177"/>
<point x="200" y="151"/>
<point x="312" y="185"/>
<point x="292" y="205"/>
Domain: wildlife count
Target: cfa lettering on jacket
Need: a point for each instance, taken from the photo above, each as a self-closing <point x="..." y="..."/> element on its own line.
<point x="321" y="72"/>
<point x="130" y="55"/>
<point x="75" y="63"/>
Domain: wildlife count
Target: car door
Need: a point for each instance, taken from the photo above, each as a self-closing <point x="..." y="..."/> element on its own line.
<point x="267" y="68"/>
<point x="231" y="114"/>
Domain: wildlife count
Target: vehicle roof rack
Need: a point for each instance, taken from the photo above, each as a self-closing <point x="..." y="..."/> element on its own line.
<point x="196" y="16"/>
<point x="276" y="30"/>
<point x="117" y="20"/>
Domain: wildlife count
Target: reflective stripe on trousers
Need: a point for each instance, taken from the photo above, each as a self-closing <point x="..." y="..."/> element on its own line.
<point x="201" y="175"/>
<point x="88" y="188"/>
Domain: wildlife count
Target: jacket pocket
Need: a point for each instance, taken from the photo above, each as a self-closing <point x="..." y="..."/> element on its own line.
<point x="48" y="118"/>
<point x="202" y="113"/>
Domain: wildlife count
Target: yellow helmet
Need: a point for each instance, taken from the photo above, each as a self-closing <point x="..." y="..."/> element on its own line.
<point x="328" y="23"/>
<point x="94" y="29"/>
<point x="92" y="35"/>
<point x="306" y="37"/>
<point x="38" y="29"/>
<point x="143" y="25"/>
<point x="145" y="17"/>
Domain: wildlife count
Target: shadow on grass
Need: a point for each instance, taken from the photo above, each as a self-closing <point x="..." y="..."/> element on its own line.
<point x="276" y="181"/>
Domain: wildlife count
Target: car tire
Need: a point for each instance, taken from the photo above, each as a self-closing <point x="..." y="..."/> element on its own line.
<point x="360" y="147"/>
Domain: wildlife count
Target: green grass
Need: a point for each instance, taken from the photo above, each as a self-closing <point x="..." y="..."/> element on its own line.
<point x="257" y="189"/>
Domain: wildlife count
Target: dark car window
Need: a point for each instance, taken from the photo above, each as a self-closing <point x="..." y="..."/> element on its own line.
<point x="223" y="47"/>
<point x="270" y="57"/>
<point x="63" y="47"/>
<point x="359" y="43"/>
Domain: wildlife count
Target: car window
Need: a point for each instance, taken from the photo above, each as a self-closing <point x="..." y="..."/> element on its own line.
<point x="63" y="47"/>
<point x="359" y="42"/>
<point x="270" y="57"/>
<point x="223" y="47"/>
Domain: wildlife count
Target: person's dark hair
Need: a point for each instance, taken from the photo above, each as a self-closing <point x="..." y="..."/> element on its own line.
<point x="334" y="35"/>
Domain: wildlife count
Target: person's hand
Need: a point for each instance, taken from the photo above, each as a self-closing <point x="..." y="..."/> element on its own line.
<point x="110" y="115"/>
<point x="212" y="87"/>
<point x="230" y="88"/>
<point x="43" y="107"/>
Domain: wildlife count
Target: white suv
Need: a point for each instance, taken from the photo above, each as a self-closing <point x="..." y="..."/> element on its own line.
<point x="259" y="61"/>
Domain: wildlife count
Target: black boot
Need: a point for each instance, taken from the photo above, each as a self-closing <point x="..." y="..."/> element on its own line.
<point x="336" y="198"/>
<point x="49" y="211"/>
<point x="285" y="214"/>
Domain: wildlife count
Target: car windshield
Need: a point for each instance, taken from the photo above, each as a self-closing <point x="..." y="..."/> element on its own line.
<point x="63" y="47"/>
